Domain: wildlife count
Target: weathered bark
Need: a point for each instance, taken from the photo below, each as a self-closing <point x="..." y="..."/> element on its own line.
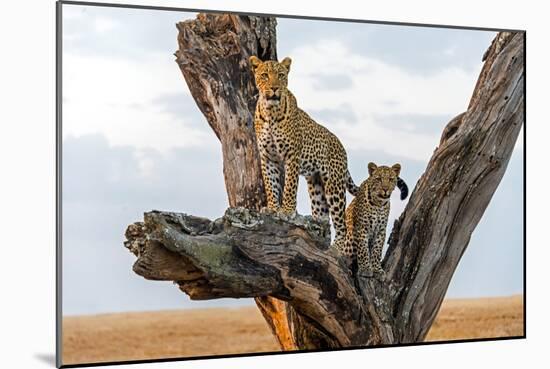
<point x="213" y="57"/>
<point x="305" y="291"/>
<point x="450" y="198"/>
<point x="249" y="254"/>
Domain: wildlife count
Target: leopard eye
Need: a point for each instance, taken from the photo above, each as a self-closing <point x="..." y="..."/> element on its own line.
<point x="264" y="76"/>
<point x="282" y="75"/>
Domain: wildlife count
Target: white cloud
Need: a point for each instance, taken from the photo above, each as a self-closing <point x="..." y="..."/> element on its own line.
<point x="450" y="51"/>
<point x="124" y="85"/>
<point x="378" y="89"/>
<point x="116" y="97"/>
<point x="145" y="163"/>
<point x="102" y="25"/>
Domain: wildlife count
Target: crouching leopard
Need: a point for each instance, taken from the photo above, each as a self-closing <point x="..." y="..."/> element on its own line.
<point x="290" y="144"/>
<point x="367" y="217"/>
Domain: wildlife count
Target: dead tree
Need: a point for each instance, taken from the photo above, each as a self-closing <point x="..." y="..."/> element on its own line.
<point x="305" y="291"/>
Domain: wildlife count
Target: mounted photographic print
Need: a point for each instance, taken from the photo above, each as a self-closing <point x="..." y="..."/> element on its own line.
<point x="241" y="184"/>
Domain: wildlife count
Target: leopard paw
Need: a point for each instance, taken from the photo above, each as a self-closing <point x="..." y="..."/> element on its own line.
<point x="379" y="273"/>
<point x="287" y="214"/>
<point x="340" y="246"/>
<point x="268" y="210"/>
<point x="367" y="273"/>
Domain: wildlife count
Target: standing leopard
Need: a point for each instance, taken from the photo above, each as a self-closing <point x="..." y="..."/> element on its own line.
<point x="367" y="217"/>
<point x="290" y="144"/>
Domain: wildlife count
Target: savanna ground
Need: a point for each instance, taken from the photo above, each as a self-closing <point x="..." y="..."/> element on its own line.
<point x="184" y="333"/>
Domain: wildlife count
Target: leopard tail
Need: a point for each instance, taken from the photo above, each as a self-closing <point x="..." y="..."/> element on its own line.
<point x="403" y="188"/>
<point x="352" y="187"/>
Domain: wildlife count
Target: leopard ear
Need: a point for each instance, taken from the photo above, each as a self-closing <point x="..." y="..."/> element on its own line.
<point x="396" y="168"/>
<point x="372" y="167"/>
<point x="286" y="63"/>
<point x="255" y="62"/>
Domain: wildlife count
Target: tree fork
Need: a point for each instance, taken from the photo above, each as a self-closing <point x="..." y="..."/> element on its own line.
<point x="304" y="290"/>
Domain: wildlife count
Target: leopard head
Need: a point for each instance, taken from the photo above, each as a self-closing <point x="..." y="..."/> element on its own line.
<point x="271" y="79"/>
<point x="383" y="180"/>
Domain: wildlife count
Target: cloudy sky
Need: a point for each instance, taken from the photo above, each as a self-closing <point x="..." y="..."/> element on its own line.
<point x="134" y="140"/>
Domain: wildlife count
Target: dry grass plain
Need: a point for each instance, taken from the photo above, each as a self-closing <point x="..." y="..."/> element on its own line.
<point x="184" y="333"/>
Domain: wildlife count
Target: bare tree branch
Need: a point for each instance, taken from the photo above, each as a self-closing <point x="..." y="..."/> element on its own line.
<point x="307" y="294"/>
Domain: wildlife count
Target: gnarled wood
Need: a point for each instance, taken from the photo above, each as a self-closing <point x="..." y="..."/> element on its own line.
<point x="213" y="57"/>
<point x="450" y="198"/>
<point x="307" y="294"/>
<point x="249" y="254"/>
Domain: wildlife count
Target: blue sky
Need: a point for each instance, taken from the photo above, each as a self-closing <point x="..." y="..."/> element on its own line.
<point x="134" y="140"/>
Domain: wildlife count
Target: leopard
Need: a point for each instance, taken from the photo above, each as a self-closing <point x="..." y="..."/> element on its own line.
<point x="367" y="218"/>
<point x="290" y="144"/>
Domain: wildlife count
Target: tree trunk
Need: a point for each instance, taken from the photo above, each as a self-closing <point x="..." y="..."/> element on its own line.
<point x="213" y="57"/>
<point x="305" y="291"/>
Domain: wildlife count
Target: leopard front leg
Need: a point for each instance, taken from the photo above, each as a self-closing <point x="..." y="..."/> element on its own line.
<point x="272" y="182"/>
<point x="291" y="186"/>
<point x="350" y="247"/>
<point x="361" y="245"/>
<point x="319" y="205"/>
<point x="335" y="192"/>
<point x="378" y="245"/>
